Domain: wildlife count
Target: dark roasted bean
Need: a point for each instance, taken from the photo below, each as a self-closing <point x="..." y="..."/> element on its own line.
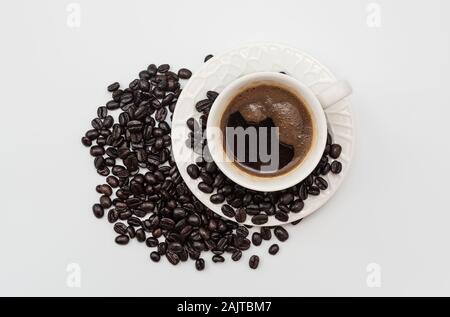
<point x="266" y="233"/>
<point x="98" y="210"/>
<point x="260" y="219"/>
<point x="113" y="87"/>
<point x="193" y="171"/>
<point x="336" y="167"/>
<point x="86" y="141"/>
<point x="236" y="256"/>
<point x="172" y="257"/>
<point x="205" y="187"/>
<point x="297" y="205"/>
<point x="163" y="68"/>
<point x="314" y="190"/>
<point x="120" y="228"/>
<point x="335" y="151"/>
<point x="122" y="240"/>
<point x="281" y="233"/>
<point x="228" y="210"/>
<point x="154" y="256"/>
<point x="281" y="216"/>
<point x="218" y="259"/>
<point x="241" y="215"/>
<point x="253" y="262"/>
<point x="217" y="198"/>
<point x="208" y="57"/>
<point x="200" y="264"/>
<point x="184" y="73"/>
<point x="321" y="183"/>
<point x="274" y="248"/>
<point x="256" y="238"/>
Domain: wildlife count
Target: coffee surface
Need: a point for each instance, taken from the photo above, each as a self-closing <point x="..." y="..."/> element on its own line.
<point x="266" y="106"/>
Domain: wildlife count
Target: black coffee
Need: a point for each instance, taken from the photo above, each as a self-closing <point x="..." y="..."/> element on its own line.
<point x="257" y="146"/>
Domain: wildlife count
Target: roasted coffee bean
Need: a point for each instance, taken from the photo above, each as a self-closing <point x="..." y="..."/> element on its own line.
<point x="228" y="210"/>
<point x="240" y="215"/>
<point x="105" y="201"/>
<point x="184" y="73"/>
<point x="274" y="248"/>
<point x="218" y="259"/>
<point x="217" y="198"/>
<point x="112" y="105"/>
<point x="120" y="228"/>
<point x="208" y="189"/>
<point x="281" y="216"/>
<point x="140" y="235"/>
<point x="172" y="257"/>
<point x="256" y="239"/>
<point x="212" y="95"/>
<point x="266" y="233"/>
<point x="167" y="223"/>
<point x="164" y="68"/>
<point x="286" y="198"/>
<point x="335" y="151"/>
<point x="203" y="105"/>
<point x="86" y="141"/>
<point x="253" y="262"/>
<point x="297" y="206"/>
<point x="113" y="215"/>
<point x="208" y="57"/>
<point x="113" y="87"/>
<point x="321" y="183"/>
<point x="98" y="210"/>
<point x="193" y="171"/>
<point x="237" y="255"/>
<point x="296" y="222"/>
<point x="122" y="240"/>
<point x="131" y="232"/>
<point x="242" y="231"/>
<point x="314" y="190"/>
<point x="281" y="233"/>
<point x="336" y="167"/>
<point x="200" y="264"/>
<point x="260" y="219"/>
<point x="154" y="256"/>
<point x="151" y="242"/>
<point x="325" y="169"/>
<point x="104" y="189"/>
<point x="97" y="150"/>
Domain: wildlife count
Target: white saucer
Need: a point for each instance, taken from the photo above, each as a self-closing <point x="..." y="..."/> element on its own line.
<point x="221" y="70"/>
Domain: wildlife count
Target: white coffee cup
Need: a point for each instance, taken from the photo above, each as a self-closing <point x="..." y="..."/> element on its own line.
<point x="315" y="105"/>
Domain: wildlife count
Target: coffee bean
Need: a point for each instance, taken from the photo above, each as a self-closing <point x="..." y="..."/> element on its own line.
<point x="122" y="240"/>
<point x="208" y="57"/>
<point x="105" y="201"/>
<point x="266" y="233"/>
<point x="218" y="259"/>
<point x="217" y="198"/>
<point x="104" y="189"/>
<point x="325" y="169"/>
<point x="172" y="257"/>
<point x="200" y="264"/>
<point x="237" y="255"/>
<point x="112" y="105"/>
<point x="131" y="232"/>
<point x="212" y="95"/>
<point x="205" y="188"/>
<point x="260" y="219"/>
<point x="184" y="73"/>
<point x="253" y="262"/>
<point x="203" y="105"/>
<point x="240" y="215"/>
<point x="274" y="248"/>
<point x="167" y="223"/>
<point x="98" y="210"/>
<point x="154" y="256"/>
<point x="335" y="151"/>
<point x="228" y="210"/>
<point x="112" y="181"/>
<point x="193" y="171"/>
<point x="256" y="239"/>
<point x="336" y="167"/>
<point x="314" y="190"/>
<point x="281" y="216"/>
<point x="120" y="228"/>
<point x="113" y="87"/>
<point x="163" y="68"/>
<point x="321" y="183"/>
<point x="86" y="141"/>
<point x="281" y="233"/>
<point x="297" y="206"/>
<point x="97" y="150"/>
<point x="286" y="198"/>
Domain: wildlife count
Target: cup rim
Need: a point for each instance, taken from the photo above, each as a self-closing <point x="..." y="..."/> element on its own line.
<point x="266" y="183"/>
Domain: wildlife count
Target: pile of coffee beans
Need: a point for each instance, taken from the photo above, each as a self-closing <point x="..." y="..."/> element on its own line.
<point x="239" y="202"/>
<point x="144" y="195"/>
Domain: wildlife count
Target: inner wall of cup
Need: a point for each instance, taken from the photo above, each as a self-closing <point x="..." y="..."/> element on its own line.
<point x="283" y="83"/>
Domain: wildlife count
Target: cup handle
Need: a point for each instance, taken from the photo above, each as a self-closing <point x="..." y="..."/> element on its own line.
<point x="335" y="93"/>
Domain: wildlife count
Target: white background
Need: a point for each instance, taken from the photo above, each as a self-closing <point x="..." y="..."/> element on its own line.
<point x="391" y="210"/>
